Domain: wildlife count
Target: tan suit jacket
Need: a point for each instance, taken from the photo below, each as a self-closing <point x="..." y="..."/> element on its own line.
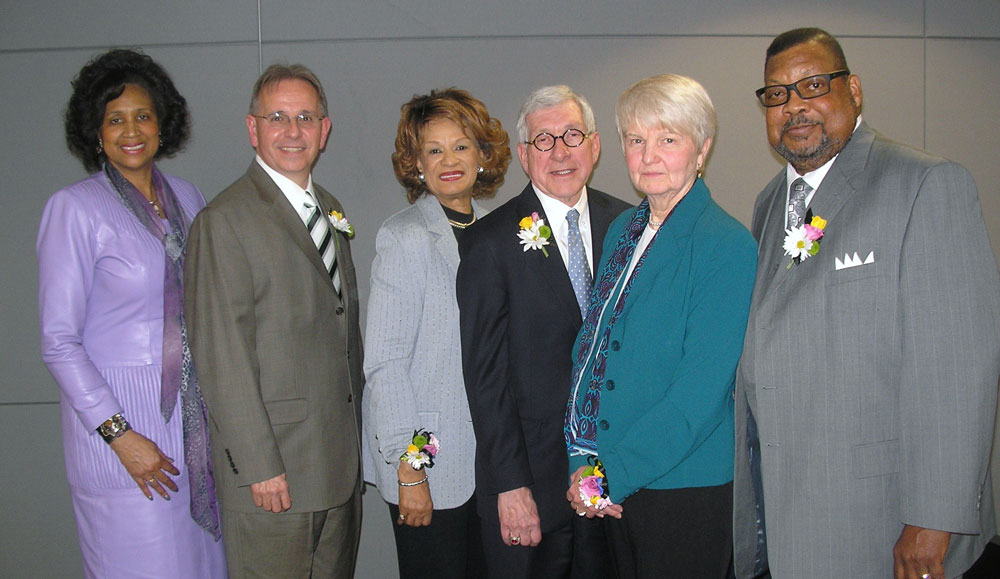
<point x="278" y="352"/>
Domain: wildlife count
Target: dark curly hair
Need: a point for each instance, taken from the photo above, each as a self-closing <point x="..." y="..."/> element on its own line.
<point x="101" y="81"/>
<point x="469" y="113"/>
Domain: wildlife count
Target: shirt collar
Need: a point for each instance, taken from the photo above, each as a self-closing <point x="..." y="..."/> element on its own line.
<point x="296" y="195"/>
<point x="556" y="210"/>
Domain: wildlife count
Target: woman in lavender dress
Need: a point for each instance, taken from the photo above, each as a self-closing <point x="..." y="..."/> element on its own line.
<point x="110" y="257"/>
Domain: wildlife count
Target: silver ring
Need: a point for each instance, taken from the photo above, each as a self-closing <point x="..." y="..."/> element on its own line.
<point x="515" y="540"/>
<point x="402" y="517"/>
<point x="581" y="513"/>
<point x="925" y="576"/>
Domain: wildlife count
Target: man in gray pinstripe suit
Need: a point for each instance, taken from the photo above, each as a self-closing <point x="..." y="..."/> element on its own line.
<point x="866" y="393"/>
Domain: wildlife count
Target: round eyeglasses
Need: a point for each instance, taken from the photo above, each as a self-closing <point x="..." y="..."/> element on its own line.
<point x="282" y="120"/>
<point x="546" y="141"/>
<point x="807" y="88"/>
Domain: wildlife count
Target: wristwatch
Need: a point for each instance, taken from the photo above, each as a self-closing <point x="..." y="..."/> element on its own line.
<point x="113" y="427"/>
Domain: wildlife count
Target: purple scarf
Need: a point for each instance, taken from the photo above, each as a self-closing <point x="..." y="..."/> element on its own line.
<point x="178" y="367"/>
<point x="584" y="407"/>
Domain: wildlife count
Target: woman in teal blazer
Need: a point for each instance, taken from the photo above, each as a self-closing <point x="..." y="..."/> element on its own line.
<point x="651" y="402"/>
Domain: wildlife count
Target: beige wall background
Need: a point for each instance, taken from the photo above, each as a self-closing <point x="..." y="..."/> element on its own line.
<point x="928" y="68"/>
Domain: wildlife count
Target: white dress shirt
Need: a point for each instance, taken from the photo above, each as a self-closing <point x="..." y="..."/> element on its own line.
<point x="297" y="196"/>
<point x="556" y="211"/>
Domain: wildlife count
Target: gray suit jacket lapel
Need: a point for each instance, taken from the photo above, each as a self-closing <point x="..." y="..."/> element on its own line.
<point x="446" y="244"/>
<point x="835" y="190"/>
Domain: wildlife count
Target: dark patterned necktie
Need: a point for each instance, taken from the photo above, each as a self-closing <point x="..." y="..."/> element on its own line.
<point x="797" y="202"/>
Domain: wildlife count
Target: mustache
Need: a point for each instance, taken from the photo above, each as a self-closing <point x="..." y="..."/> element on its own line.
<point x="798" y="121"/>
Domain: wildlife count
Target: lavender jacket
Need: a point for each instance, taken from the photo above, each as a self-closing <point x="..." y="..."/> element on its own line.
<point x="100" y="298"/>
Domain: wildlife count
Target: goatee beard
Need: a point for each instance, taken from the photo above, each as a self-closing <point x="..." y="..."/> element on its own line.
<point x="812" y="158"/>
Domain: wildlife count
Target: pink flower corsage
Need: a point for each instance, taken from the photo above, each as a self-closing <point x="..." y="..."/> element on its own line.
<point x="422" y="450"/>
<point x="594" y="487"/>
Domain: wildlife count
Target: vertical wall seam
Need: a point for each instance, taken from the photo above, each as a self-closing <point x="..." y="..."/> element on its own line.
<point x="260" y="44"/>
<point x="926" y="88"/>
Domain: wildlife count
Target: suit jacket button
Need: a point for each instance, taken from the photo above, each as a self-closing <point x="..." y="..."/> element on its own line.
<point x="604" y="425"/>
<point x="610" y="384"/>
<point x="616" y="345"/>
<point x="340" y="310"/>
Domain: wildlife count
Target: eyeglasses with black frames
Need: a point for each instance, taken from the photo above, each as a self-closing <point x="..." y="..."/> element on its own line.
<point x="280" y="120"/>
<point x="546" y="141"/>
<point x="807" y="88"/>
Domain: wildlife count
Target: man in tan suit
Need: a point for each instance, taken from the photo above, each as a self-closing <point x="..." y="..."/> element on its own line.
<point x="271" y="303"/>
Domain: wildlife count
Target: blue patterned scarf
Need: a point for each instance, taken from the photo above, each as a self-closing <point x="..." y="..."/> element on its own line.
<point x="583" y="408"/>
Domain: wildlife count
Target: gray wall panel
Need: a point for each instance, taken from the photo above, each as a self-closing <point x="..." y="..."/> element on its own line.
<point x="963" y="18"/>
<point x="98" y="23"/>
<point x="38" y="534"/>
<point x="963" y="115"/>
<point x="36" y="164"/>
<point x="382" y="19"/>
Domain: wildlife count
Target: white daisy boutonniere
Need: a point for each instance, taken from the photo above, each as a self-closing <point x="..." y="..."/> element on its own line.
<point x="340" y="223"/>
<point x="534" y="234"/>
<point x="803" y="242"/>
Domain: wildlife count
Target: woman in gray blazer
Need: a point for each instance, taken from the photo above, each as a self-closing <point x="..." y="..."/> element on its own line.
<point x="449" y="151"/>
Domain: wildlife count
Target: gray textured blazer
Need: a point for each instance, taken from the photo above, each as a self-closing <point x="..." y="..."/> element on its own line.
<point x="413" y="359"/>
<point x="873" y="387"/>
<point x="278" y="353"/>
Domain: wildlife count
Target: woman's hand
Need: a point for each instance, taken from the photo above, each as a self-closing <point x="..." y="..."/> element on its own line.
<point x="415" y="505"/>
<point x="582" y="509"/>
<point x="146" y="464"/>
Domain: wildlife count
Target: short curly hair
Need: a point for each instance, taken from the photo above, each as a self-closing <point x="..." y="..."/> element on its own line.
<point x="101" y="81"/>
<point x="469" y="113"/>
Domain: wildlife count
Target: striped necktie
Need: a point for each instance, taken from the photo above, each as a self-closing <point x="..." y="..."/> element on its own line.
<point x="322" y="235"/>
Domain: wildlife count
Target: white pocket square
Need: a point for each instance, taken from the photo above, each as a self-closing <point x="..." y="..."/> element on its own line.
<point x="853" y="260"/>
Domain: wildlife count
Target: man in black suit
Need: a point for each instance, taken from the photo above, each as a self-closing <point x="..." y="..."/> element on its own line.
<point x="520" y="314"/>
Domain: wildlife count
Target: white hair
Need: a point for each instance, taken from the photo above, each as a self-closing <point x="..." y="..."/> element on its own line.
<point x="672" y="101"/>
<point x="550" y="96"/>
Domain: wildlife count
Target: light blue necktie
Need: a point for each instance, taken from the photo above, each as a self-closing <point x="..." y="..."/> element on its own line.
<point x="579" y="270"/>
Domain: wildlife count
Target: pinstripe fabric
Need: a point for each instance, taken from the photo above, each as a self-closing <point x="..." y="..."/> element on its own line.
<point x="873" y="386"/>
<point x="413" y="355"/>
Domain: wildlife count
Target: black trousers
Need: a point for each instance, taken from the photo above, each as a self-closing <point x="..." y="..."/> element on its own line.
<point x="449" y="548"/>
<point x="550" y="559"/>
<point x="677" y="533"/>
<point x="578" y="550"/>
